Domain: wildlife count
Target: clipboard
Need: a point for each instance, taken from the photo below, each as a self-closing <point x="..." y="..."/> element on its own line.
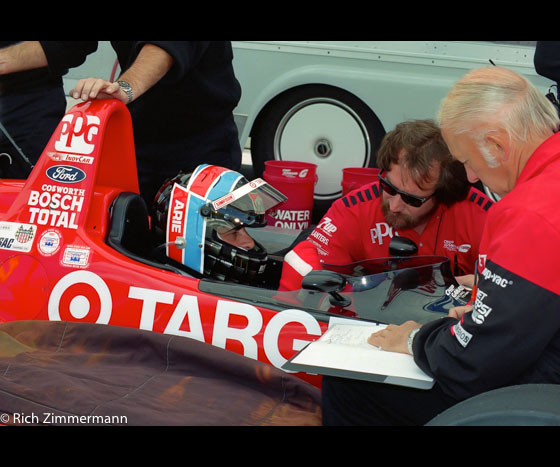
<point x="343" y="351"/>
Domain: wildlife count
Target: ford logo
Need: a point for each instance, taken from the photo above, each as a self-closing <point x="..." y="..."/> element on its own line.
<point x="65" y="174"/>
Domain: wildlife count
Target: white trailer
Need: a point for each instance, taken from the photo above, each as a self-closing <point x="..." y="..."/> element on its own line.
<point x="331" y="102"/>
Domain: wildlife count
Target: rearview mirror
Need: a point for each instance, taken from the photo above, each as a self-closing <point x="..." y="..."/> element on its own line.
<point x="402" y="246"/>
<point x="329" y="282"/>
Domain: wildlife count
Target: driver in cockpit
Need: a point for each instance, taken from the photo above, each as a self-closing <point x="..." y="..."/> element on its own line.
<point x="203" y="216"/>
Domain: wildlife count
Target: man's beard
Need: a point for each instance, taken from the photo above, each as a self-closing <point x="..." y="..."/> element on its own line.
<point x="405" y="221"/>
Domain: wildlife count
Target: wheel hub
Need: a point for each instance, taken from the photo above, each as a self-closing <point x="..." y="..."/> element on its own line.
<point x="323" y="148"/>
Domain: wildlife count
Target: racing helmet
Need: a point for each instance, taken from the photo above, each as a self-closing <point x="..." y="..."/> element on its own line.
<point x="195" y="209"/>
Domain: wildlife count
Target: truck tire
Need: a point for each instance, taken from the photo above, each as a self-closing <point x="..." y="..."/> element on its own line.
<point x="320" y="124"/>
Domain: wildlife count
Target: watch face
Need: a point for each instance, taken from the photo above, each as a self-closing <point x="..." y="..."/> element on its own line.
<point x="124" y="85"/>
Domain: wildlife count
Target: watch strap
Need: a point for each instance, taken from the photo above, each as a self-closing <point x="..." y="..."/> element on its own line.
<point x="125" y="86"/>
<point x="411" y="339"/>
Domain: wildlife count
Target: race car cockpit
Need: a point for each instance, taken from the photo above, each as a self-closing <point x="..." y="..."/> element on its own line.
<point x="189" y="229"/>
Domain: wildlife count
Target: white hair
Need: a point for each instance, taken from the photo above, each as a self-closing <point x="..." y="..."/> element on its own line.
<point x="501" y="98"/>
<point x="488" y="157"/>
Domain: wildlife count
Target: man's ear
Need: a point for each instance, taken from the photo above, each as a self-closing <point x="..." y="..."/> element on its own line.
<point x="497" y="143"/>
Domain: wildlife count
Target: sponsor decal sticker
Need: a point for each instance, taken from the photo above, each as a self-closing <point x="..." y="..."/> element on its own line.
<point x="61" y="157"/>
<point x="49" y="242"/>
<point x="15" y="236"/>
<point x="177" y="221"/>
<point x="55" y="206"/>
<point x="78" y="135"/>
<point x="229" y="198"/>
<point x="76" y="256"/>
<point x="65" y="174"/>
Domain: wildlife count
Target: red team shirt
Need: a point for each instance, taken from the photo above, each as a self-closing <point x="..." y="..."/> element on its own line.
<point x="355" y="229"/>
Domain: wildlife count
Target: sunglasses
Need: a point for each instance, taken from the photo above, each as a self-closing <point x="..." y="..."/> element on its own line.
<point x="411" y="200"/>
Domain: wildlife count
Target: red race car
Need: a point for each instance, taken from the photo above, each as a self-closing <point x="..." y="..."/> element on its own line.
<point x="76" y="245"/>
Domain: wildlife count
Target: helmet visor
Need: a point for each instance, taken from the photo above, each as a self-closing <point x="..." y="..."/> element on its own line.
<point x="247" y="205"/>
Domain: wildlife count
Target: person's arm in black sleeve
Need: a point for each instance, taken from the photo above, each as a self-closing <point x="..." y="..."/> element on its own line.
<point x="513" y="321"/>
<point x="62" y="55"/>
<point x="547" y="59"/>
<point x="186" y="55"/>
<point x="147" y="69"/>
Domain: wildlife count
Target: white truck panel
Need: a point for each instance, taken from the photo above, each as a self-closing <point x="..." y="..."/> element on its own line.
<point x="398" y="80"/>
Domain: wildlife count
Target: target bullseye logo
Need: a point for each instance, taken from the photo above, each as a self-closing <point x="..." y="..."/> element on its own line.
<point x="80" y="294"/>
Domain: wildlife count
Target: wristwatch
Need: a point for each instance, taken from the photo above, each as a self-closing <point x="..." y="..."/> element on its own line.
<point x="411" y="338"/>
<point x="126" y="88"/>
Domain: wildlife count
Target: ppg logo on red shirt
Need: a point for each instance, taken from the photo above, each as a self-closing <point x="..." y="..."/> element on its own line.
<point x="381" y="230"/>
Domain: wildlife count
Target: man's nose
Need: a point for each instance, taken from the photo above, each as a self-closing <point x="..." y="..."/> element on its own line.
<point x="245" y="240"/>
<point x="396" y="203"/>
<point x="471" y="175"/>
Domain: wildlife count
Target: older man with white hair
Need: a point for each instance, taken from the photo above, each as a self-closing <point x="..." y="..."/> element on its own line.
<point x="505" y="132"/>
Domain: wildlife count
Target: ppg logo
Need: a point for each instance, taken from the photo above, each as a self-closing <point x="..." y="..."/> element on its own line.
<point x="381" y="230"/>
<point x="77" y="134"/>
<point x="65" y="174"/>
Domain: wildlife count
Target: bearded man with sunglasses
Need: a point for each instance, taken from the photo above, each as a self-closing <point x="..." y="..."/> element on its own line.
<point x="422" y="193"/>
